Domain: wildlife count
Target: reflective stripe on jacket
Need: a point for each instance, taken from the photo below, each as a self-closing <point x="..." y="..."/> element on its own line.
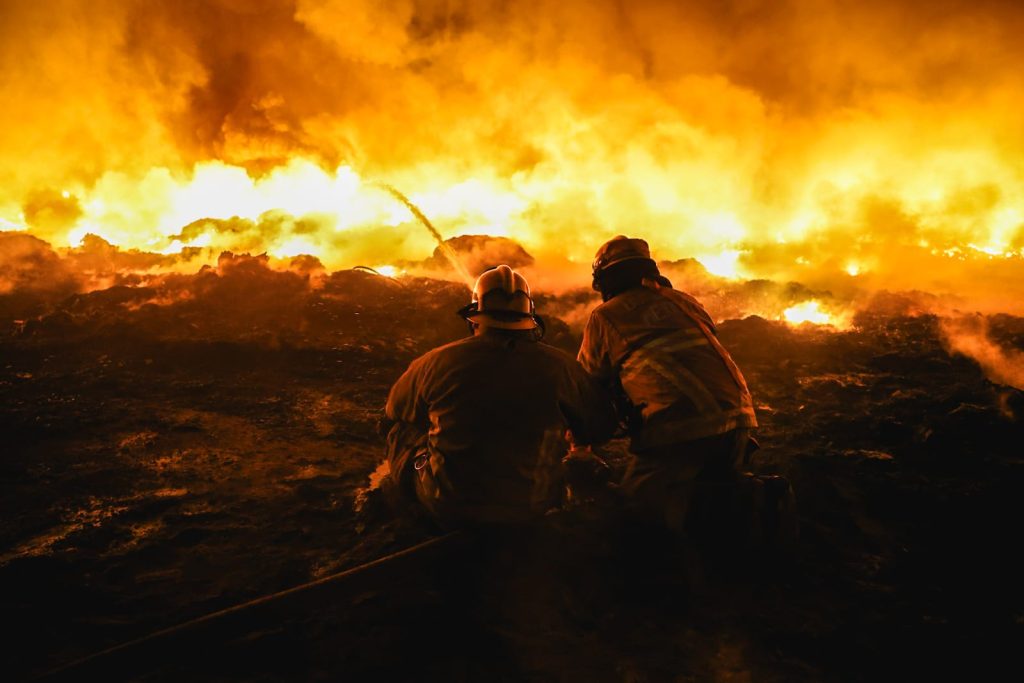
<point x="661" y="345"/>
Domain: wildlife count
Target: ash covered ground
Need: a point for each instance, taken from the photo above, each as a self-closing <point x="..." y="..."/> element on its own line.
<point x="172" y="450"/>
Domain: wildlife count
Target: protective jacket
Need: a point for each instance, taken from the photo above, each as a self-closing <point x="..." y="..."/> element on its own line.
<point x="495" y="408"/>
<point x="660" y="344"/>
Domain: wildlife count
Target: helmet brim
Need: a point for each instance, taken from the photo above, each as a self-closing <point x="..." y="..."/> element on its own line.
<point x="503" y="320"/>
<point x="598" y="266"/>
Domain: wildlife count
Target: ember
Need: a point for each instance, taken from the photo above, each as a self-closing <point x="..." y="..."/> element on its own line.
<point x="811" y="312"/>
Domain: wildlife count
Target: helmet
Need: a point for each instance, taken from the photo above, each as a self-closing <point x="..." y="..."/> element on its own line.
<point x="616" y="250"/>
<point x="620" y="248"/>
<point x="503" y="296"/>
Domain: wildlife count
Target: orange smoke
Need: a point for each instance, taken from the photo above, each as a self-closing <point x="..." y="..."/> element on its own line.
<point x="969" y="336"/>
<point x="849" y="147"/>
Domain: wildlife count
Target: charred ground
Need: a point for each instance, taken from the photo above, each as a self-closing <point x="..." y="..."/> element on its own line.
<point x="176" y="449"/>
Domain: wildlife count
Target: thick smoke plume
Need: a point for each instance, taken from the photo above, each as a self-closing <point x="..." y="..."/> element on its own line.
<point x="842" y="145"/>
<point x="970" y="337"/>
<point x="32" y="276"/>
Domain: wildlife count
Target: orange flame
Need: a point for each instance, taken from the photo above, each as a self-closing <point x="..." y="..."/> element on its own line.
<point x="811" y="311"/>
<point x="776" y="140"/>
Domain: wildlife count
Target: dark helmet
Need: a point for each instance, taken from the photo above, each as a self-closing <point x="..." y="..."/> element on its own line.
<point x="503" y="296"/>
<point x="616" y="250"/>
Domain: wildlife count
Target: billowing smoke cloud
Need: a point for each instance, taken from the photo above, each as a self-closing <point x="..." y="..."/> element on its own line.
<point x="31" y="265"/>
<point x="843" y="145"/>
<point x="32" y="277"/>
<point x="970" y="336"/>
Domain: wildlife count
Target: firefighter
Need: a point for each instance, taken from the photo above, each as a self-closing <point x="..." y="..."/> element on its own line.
<point x="683" y="400"/>
<point x="478" y="427"/>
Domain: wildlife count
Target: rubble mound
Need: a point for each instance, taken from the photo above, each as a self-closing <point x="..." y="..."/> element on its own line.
<point x="244" y="301"/>
<point x="32" y="276"/>
<point x="180" y="447"/>
<point x="479" y="253"/>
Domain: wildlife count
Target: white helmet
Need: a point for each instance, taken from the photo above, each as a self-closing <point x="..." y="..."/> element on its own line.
<point x="503" y="296"/>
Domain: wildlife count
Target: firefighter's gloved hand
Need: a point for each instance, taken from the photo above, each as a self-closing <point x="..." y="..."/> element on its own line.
<point x="587" y="478"/>
<point x="584" y="467"/>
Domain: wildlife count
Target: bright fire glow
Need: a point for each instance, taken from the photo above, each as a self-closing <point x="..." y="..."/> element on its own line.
<point x="299" y="208"/>
<point x="724" y="264"/>
<point x="807" y="312"/>
<point x="295" y="247"/>
<point x="780" y="144"/>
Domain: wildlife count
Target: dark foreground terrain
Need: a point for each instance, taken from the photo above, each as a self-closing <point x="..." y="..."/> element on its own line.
<point x="166" y="456"/>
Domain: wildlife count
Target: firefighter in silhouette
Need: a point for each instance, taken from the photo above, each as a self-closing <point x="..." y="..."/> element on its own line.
<point x="683" y="400"/>
<point x="477" y="428"/>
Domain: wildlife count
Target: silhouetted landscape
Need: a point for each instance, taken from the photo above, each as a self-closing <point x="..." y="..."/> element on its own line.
<point x="167" y="456"/>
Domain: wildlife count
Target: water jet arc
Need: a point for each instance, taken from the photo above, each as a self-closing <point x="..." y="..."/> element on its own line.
<point x="445" y="248"/>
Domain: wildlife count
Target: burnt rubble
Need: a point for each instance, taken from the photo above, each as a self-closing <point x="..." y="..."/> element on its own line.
<point x="477" y="253"/>
<point x="195" y="441"/>
<point x="245" y="301"/>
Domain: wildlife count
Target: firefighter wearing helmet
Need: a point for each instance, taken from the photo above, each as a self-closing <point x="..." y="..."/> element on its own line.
<point x="501" y="299"/>
<point x="684" y="401"/>
<point x="477" y="427"/>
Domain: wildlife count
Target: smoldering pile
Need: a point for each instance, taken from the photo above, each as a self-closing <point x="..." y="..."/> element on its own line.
<point x="191" y="440"/>
<point x="99" y="289"/>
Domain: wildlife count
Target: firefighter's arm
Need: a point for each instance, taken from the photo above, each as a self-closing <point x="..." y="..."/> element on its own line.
<point x="405" y="400"/>
<point x="706" y="318"/>
<point x="588" y="409"/>
<point x="599" y="339"/>
<point x="595" y="351"/>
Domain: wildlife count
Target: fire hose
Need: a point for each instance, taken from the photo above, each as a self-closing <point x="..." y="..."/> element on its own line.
<point x="127" y="654"/>
<point x="147" y="649"/>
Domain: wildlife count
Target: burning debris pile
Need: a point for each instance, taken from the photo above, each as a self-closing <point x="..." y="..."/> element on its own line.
<point x="241" y="299"/>
<point x="478" y="253"/>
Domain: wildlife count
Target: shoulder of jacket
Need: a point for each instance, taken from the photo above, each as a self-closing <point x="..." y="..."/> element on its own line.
<point x="681" y="295"/>
<point x="604" y="310"/>
<point x="440" y="351"/>
<point x="455" y="344"/>
<point x="561" y="362"/>
<point x="556" y="353"/>
<point x="629" y="298"/>
<point x="609" y="312"/>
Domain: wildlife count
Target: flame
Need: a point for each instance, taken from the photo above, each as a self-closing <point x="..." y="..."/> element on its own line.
<point x="299" y="208"/>
<point x="807" y="312"/>
<point x="724" y="264"/>
<point x="296" y="246"/>
<point x="773" y="142"/>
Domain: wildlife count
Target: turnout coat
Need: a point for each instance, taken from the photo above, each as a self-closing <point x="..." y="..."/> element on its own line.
<point x="484" y="420"/>
<point x="661" y="346"/>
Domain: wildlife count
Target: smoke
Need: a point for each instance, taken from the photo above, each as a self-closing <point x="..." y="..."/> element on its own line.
<point x="970" y="336"/>
<point x="809" y="139"/>
<point x="28" y="264"/>
<point x="32" y="277"/>
<point x="475" y="254"/>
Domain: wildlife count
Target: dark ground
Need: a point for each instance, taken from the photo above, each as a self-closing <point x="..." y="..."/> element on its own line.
<point x="164" y="458"/>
